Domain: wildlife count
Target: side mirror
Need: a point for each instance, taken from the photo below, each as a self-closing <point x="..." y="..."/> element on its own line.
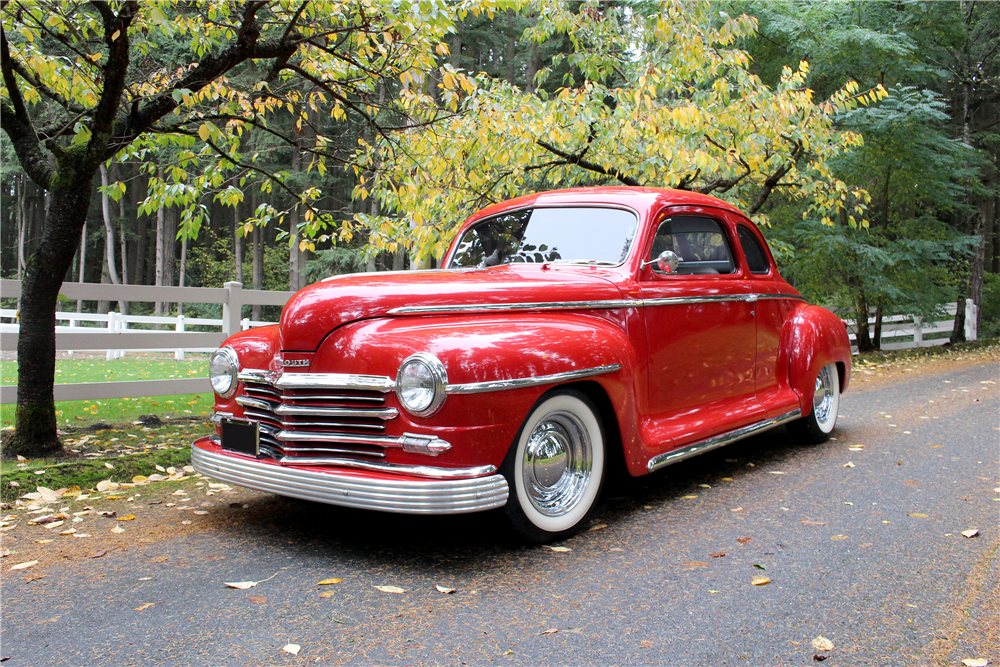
<point x="667" y="262"/>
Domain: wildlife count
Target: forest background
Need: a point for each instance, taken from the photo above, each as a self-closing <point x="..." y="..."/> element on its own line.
<point x="862" y="136"/>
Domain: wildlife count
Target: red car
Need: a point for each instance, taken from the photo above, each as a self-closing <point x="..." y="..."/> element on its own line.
<point x="568" y="329"/>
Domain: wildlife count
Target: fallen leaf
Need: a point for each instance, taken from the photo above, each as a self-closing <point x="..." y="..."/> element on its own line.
<point x="24" y="566"/>
<point x="838" y="538"/>
<point x="822" y="644"/>
<point x="443" y="589"/>
<point x="327" y="594"/>
<point x="560" y="550"/>
<point x="327" y="582"/>
<point x="812" y="523"/>
<point x="146" y="606"/>
<point x="760" y="581"/>
<point x="849" y="464"/>
<point x="597" y="526"/>
<point x="243" y="585"/>
<point x="291" y="648"/>
<point x="744" y="540"/>
<point x="776" y="472"/>
<point x="391" y="589"/>
<point x="646" y="643"/>
<point x="759" y="566"/>
<point x="694" y="563"/>
<point x="117" y="530"/>
<point x="258" y="599"/>
<point x="34" y="577"/>
<point x="102" y="552"/>
<point x="130" y="517"/>
<point x="717" y="554"/>
<point x="819" y="658"/>
<point x="918" y="515"/>
<point x="689" y="497"/>
<point x="108" y="465"/>
<point x="735" y="509"/>
<point x="550" y="631"/>
<point x="975" y="662"/>
<point x="972" y="532"/>
<point x="103" y="486"/>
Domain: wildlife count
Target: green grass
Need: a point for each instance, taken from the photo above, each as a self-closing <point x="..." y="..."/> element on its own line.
<point x="116" y="454"/>
<point x="137" y="366"/>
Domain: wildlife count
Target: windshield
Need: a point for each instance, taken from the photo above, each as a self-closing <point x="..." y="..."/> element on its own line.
<point x="586" y="235"/>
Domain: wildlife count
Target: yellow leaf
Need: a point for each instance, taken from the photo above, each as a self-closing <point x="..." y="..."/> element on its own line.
<point x="760" y="581"/>
<point x="918" y="515"/>
<point x="326" y="582"/>
<point x="204" y="132"/>
<point x="391" y="589"/>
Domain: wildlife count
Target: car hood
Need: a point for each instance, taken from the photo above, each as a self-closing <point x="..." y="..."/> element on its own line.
<point x="322" y="307"/>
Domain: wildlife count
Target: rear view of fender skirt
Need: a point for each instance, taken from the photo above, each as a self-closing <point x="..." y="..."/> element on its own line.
<point x="678" y="455"/>
<point x="403" y="496"/>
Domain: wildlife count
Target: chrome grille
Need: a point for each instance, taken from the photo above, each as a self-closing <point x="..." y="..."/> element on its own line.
<point x="325" y="418"/>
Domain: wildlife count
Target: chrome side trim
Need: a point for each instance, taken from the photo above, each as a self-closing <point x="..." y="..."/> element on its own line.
<point x="411" y="442"/>
<point x="715" y="442"/>
<point x="407" y="496"/>
<point x="505" y="307"/>
<point x="709" y="298"/>
<point x="584" y="305"/>
<point x="517" y="383"/>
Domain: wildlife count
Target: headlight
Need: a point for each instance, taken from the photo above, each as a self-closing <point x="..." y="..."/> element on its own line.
<point x="420" y="384"/>
<point x="222" y="369"/>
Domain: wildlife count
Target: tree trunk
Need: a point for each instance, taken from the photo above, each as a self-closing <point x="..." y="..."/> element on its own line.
<point x="877" y="334"/>
<point x="124" y="247"/>
<point x="180" y="273"/>
<point x="238" y="243"/>
<point x="109" y="241"/>
<point x="35" y="416"/>
<point x="863" y="337"/>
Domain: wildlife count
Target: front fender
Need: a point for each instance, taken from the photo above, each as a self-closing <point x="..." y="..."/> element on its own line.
<point x="489" y="349"/>
<point x="818" y="337"/>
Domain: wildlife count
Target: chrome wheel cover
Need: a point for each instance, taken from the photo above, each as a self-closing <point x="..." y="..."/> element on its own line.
<point x="824" y="396"/>
<point x="557" y="463"/>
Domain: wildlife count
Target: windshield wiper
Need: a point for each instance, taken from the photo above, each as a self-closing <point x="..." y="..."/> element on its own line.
<point x="589" y="262"/>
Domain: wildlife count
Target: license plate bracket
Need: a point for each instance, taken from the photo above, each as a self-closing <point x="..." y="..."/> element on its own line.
<point x="241" y="435"/>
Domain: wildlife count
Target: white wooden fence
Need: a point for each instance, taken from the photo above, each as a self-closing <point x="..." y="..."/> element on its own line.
<point x="916" y="332"/>
<point x="115" y="337"/>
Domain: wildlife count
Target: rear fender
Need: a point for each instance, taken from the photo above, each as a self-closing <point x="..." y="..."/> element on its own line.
<point x="818" y="337"/>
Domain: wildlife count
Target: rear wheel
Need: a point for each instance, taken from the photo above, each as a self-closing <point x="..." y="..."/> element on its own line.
<point x="817" y="426"/>
<point x="555" y="467"/>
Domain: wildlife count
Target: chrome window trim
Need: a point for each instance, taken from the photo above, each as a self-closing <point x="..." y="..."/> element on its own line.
<point x="517" y="383"/>
<point x="476" y="490"/>
<point x="707" y="445"/>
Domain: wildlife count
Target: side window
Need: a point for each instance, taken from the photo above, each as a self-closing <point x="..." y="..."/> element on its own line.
<point x="752" y="250"/>
<point x="699" y="243"/>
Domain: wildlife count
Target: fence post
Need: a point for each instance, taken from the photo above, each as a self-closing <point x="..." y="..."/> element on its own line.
<point x="179" y="354"/>
<point x="232" y="309"/>
<point x="110" y="354"/>
<point x="918" y="331"/>
<point x="971" y="321"/>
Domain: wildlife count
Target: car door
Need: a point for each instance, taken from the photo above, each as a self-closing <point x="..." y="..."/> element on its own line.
<point x="700" y="330"/>
<point x="776" y="301"/>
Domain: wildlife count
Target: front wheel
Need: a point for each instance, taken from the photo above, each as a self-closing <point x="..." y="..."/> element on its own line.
<point x="818" y="424"/>
<point x="555" y="467"/>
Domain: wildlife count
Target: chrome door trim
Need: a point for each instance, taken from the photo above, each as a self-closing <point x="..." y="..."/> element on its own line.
<point x="707" y="445"/>
<point x="517" y="383"/>
<point x="506" y="307"/>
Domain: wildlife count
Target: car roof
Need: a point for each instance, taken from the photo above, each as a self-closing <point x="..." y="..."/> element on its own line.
<point x="638" y="198"/>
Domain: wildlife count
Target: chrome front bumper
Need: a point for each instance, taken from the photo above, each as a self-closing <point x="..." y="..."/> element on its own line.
<point x="405" y="496"/>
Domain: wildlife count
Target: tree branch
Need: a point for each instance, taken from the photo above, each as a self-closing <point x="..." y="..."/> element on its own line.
<point x="773" y="179"/>
<point x="16" y="122"/>
<point x="588" y="165"/>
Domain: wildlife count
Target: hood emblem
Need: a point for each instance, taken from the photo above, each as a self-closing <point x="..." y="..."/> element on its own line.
<point x="287" y="363"/>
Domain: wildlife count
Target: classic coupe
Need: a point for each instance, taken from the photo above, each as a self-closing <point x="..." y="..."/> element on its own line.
<point x="566" y="331"/>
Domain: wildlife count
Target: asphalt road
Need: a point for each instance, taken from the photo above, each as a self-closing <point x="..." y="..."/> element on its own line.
<point x="860" y="539"/>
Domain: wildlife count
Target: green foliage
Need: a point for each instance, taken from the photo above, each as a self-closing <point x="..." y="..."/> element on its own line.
<point x="989" y="323"/>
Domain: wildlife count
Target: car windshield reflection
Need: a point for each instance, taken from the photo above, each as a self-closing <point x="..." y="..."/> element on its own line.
<point x="573" y="235"/>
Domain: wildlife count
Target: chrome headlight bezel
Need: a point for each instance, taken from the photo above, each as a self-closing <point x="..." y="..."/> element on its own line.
<point x="432" y="383"/>
<point x="223" y="369"/>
